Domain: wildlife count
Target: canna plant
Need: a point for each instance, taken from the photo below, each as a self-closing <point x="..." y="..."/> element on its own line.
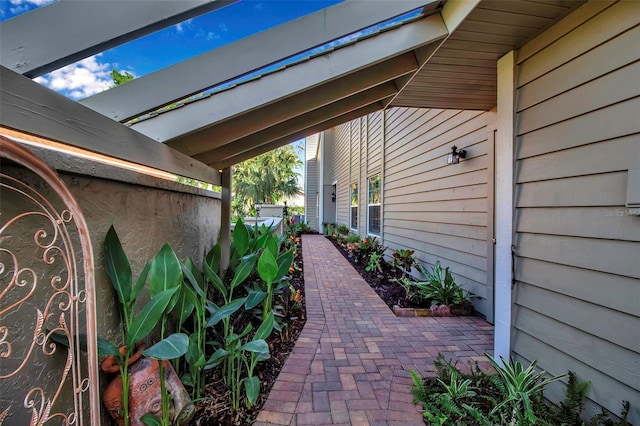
<point x="135" y="327"/>
<point x="403" y="258"/>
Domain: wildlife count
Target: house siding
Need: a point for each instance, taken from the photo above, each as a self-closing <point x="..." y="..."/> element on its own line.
<point x="311" y="182"/>
<point x="440" y="211"/>
<point x="577" y="294"/>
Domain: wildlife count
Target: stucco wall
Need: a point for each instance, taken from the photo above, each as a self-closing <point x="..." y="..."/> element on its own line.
<point x="146" y="215"/>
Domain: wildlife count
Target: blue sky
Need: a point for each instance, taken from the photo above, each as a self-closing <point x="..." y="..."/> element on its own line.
<point x="169" y="46"/>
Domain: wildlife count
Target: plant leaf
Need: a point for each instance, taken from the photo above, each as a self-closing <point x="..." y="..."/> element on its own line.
<point x="148" y="318"/>
<point x="252" y="389"/>
<point x="265" y="328"/>
<point x="267" y="267"/>
<point x="150" y="420"/>
<point x="165" y="272"/>
<point x="105" y="347"/>
<point x="140" y="282"/>
<point x="188" y="273"/>
<point x="215" y="359"/>
<point x="213" y="277"/>
<point x="225" y="311"/>
<point x="285" y="260"/>
<point x="241" y="237"/>
<point x="243" y="271"/>
<point x="271" y="244"/>
<point x="254" y="298"/>
<point x="213" y="257"/>
<point x="171" y="347"/>
<point x="117" y="266"/>
<point x="259" y="345"/>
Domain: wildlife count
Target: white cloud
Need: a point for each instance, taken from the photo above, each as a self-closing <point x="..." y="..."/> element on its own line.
<point x="77" y="81"/>
<point x="212" y="36"/>
<point x="223" y="27"/>
<point x="31" y="2"/>
<point x="183" y="26"/>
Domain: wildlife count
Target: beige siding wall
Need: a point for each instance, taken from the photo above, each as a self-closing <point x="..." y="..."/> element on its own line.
<point x="436" y="209"/>
<point x="311" y="182"/>
<point x="341" y="161"/>
<point x="577" y="298"/>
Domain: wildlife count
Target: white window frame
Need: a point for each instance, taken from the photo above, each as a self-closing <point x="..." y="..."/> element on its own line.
<point x="351" y="206"/>
<point x="379" y="204"/>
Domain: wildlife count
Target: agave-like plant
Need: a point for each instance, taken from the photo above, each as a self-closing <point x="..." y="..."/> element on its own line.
<point x="521" y="386"/>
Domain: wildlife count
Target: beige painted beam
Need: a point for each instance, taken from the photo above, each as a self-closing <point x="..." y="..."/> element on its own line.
<point x="30" y="108"/>
<point x="244" y="56"/>
<point x="289" y="108"/>
<point x="272" y="88"/>
<point x="67" y="31"/>
<point x="299" y="135"/>
<point x="303" y="121"/>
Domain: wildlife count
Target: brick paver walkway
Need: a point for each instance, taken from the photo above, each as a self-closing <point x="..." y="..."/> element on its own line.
<point x="351" y="363"/>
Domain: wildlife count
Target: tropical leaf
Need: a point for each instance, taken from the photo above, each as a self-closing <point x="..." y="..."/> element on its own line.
<point x="267" y="267"/>
<point x="243" y="271"/>
<point x="213" y="277"/>
<point x="259" y="345"/>
<point x="252" y="389"/>
<point x="213" y="257"/>
<point x="254" y="298"/>
<point x="172" y="347"/>
<point x="241" y="237"/>
<point x="265" y="328"/>
<point x="106" y="348"/>
<point x="225" y="311"/>
<point x="148" y="318"/>
<point x="216" y="358"/>
<point x="165" y="272"/>
<point x="140" y="282"/>
<point x="271" y="244"/>
<point x="150" y="420"/>
<point x="117" y="266"/>
<point x="285" y="260"/>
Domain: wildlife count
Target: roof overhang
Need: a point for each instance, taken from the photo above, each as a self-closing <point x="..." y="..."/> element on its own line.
<point x="446" y="59"/>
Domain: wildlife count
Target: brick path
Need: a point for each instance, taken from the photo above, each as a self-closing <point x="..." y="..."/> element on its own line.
<point x="351" y="363"/>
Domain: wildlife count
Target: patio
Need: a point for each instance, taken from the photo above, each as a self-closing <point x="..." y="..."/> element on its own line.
<point x="351" y="363"/>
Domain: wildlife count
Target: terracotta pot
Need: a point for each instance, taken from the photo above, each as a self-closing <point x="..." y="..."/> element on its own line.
<point x="144" y="390"/>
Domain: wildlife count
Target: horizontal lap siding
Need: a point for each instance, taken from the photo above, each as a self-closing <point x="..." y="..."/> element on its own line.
<point x="439" y="211"/>
<point x="577" y="297"/>
<point x="341" y="156"/>
<point x="311" y="182"/>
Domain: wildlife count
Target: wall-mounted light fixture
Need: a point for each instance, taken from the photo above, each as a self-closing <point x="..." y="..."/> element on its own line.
<point x="333" y="197"/>
<point x="455" y="155"/>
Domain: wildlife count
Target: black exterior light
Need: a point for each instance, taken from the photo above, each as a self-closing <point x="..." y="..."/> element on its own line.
<point x="455" y="155"/>
<point x="333" y="197"/>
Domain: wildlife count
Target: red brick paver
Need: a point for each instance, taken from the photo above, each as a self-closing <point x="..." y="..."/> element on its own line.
<point x="351" y="363"/>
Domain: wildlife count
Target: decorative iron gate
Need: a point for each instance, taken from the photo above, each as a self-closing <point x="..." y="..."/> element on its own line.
<point x="46" y="297"/>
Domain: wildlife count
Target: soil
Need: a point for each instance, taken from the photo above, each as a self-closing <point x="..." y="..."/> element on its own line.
<point x="215" y="408"/>
<point x="387" y="286"/>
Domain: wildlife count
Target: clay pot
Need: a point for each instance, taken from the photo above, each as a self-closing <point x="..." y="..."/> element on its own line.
<point x="144" y="390"/>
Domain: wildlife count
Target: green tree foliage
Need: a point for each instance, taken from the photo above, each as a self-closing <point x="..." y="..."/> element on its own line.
<point x="120" y="77"/>
<point x="268" y="179"/>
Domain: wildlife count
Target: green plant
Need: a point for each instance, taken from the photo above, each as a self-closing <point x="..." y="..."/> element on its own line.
<point x="440" y="286"/>
<point x="342" y="230"/>
<point x="521" y="387"/>
<point x="375" y="262"/>
<point x="403" y="258"/>
<point x="135" y="327"/>
<point x="604" y="420"/>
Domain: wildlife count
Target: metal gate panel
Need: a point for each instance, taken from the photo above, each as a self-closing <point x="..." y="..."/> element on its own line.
<point x="46" y="294"/>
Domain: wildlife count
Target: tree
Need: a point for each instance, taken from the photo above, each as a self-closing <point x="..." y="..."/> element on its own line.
<point x="267" y="179"/>
<point x="120" y="77"/>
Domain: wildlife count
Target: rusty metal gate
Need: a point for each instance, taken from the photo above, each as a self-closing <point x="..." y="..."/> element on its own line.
<point x="46" y="297"/>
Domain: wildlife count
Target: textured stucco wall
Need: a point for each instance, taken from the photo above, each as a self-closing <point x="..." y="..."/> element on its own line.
<point x="146" y="215"/>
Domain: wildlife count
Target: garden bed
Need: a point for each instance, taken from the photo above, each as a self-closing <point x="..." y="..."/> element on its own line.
<point x="216" y="409"/>
<point x="386" y="284"/>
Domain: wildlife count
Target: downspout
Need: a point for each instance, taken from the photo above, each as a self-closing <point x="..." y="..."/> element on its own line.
<point x="504" y="211"/>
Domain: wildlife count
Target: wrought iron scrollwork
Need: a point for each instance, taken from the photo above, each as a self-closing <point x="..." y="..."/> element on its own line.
<point x="46" y="291"/>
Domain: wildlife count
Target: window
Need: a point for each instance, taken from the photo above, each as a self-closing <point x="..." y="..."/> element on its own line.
<point x="373" y="206"/>
<point x="353" y="209"/>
